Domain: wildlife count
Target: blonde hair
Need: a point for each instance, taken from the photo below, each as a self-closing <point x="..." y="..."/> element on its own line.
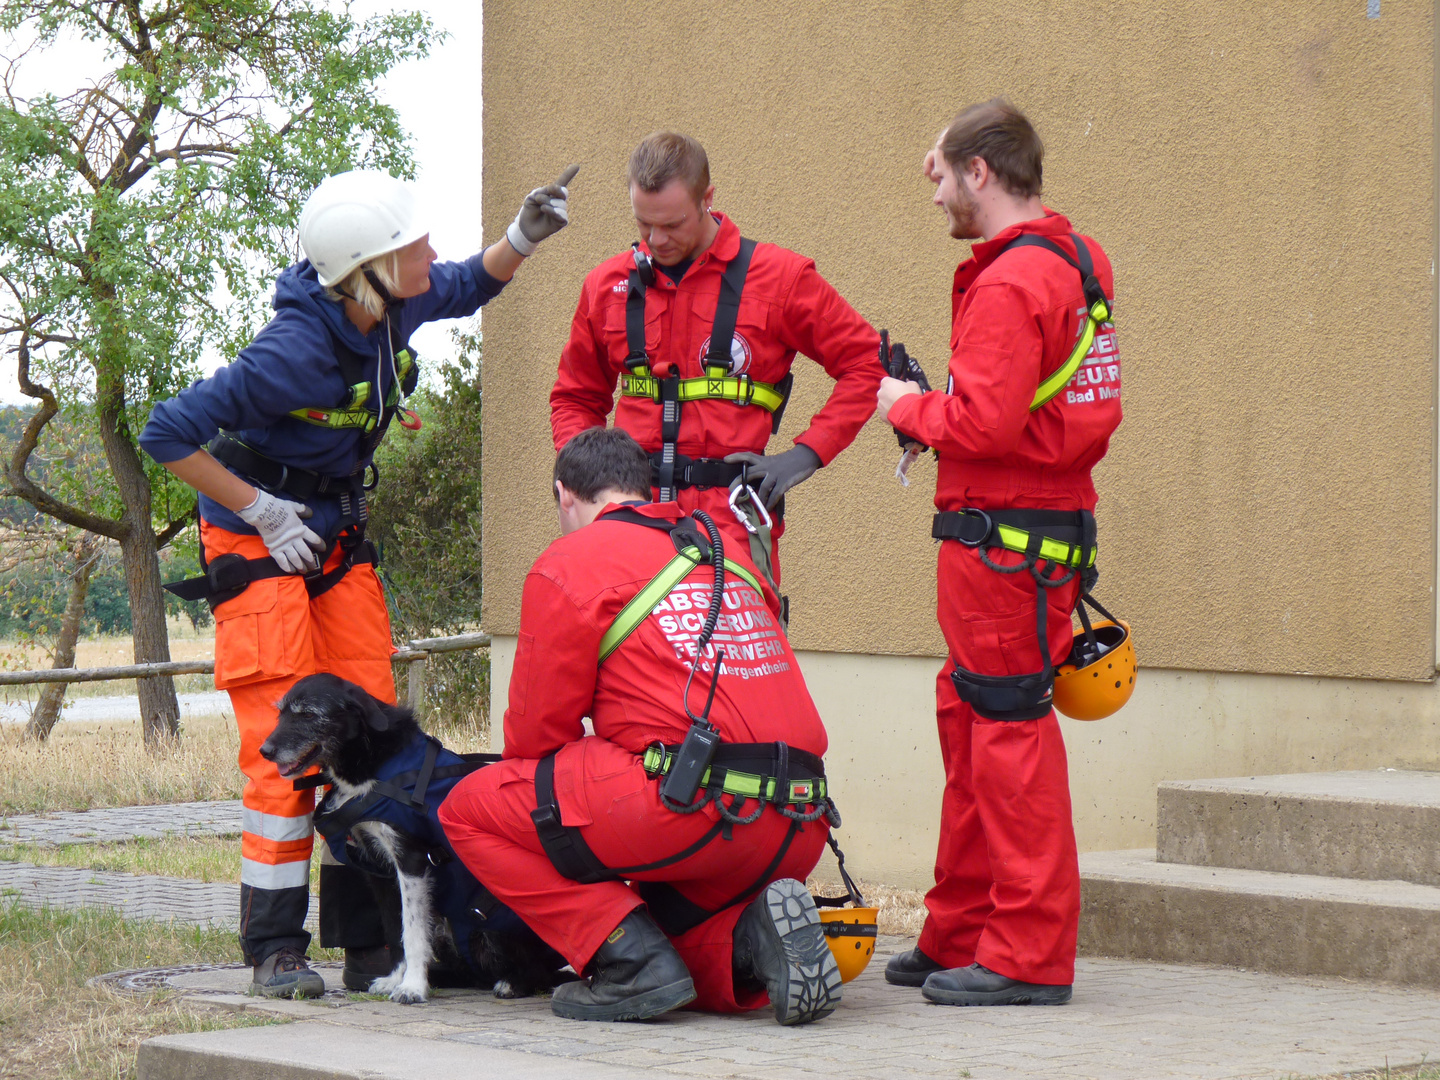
<point x="353" y="285"/>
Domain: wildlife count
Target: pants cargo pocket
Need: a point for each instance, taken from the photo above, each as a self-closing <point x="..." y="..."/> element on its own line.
<point x="255" y="640"/>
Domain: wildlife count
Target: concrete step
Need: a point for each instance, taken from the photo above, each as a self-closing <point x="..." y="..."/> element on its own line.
<point x="321" y="1051"/>
<point x="1377" y="825"/>
<point x="1290" y="924"/>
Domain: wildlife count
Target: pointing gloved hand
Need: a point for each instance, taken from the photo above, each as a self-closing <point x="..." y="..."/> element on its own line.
<point x="286" y="536"/>
<point x="545" y="211"/>
<point x="773" y="475"/>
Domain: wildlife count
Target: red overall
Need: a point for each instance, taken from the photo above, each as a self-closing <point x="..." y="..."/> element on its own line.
<point x="786" y="307"/>
<point x="1007" y="884"/>
<point x="572" y="595"/>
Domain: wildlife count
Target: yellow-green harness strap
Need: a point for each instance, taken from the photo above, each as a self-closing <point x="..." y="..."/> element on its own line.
<point x="659" y="587"/>
<point x="1098" y="309"/>
<point x="354" y="414"/>
<point x="714" y="386"/>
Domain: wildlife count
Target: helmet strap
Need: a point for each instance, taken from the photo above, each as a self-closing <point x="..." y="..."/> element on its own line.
<point x="380" y="290"/>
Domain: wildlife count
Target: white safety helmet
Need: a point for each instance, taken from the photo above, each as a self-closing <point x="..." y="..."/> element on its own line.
<point x="355" y="216"/>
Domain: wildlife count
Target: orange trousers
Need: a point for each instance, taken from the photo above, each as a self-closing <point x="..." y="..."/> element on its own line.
<point x="266" y="639"/>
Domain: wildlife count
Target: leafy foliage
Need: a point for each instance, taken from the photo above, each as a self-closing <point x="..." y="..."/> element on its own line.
<point x="426" y="518"/>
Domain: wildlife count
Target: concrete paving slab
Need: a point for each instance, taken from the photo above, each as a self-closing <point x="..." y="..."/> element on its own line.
<point x="1134" y="906"/>
<point x="124" y="823"/>
<point x="1376" y="824"/>
<point x="1128" y="1021"/>
<point x="136" y="896"/>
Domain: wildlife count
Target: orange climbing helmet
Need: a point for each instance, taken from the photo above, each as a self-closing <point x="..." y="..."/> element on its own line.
<point x="1098" y="676"/>
<point x="849" y="926"/>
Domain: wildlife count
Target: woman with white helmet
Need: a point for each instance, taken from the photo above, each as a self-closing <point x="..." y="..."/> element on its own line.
<point x="279" y="445"/>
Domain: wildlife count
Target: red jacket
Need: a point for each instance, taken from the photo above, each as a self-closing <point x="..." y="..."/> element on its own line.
<point x="572" y="595"/>
<point x="786" y="307"/>
<point x="1015" y="321"/>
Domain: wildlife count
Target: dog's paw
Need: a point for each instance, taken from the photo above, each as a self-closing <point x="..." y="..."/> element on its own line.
<point x="387" y="984"/>
<point x="410" y="994"/>
<point x="505" y="989"/>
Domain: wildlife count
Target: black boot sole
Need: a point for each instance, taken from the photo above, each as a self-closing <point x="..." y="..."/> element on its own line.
<point x="1024" y="994"/>
<point x="811" y="987"/>
<point x="640" y="1007"/>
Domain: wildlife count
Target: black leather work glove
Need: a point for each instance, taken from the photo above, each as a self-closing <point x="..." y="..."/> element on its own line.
<point x="773" y="475"/>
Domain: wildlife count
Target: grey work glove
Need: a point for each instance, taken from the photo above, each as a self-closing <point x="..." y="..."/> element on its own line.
<point x="774" y="474"/>
<point x="281" y="525"/>
<point x="545" y="211"/>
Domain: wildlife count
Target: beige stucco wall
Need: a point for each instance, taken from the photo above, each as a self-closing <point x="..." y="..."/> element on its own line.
<point x="1180" y="725"/>
<point x="1261" y="176"/>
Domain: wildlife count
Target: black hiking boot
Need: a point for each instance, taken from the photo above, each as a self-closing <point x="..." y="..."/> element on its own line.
<point x="364" y="966"/>
<point x="978" y="985"/>
<point x="911" y="968"/>
<point x="284" y="973"/>
<point x="635" y="975"/>
<point x="778" y="940"/>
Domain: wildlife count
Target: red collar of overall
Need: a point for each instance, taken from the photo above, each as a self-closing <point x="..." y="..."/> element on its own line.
<point x="669" y="511"/>
<point x="987" y="251"/>
<point x="723" y="248"/>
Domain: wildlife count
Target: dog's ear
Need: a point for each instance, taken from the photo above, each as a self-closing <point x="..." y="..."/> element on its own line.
<point x="371" y="711"/>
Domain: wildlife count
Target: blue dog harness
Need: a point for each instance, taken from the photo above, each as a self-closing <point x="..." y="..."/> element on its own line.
<point x="406" y="795"/>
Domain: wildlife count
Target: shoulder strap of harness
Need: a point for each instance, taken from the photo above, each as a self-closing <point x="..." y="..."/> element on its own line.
<point x="687" y="557"/>
<point x="722" y="333"/>
<point x="1097" y="311"/>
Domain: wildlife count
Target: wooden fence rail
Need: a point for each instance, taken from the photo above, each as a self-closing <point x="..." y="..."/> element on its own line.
<point x="413" y="653"/>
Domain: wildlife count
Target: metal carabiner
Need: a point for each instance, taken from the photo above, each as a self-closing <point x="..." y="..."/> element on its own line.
<point x="743" y="518"/>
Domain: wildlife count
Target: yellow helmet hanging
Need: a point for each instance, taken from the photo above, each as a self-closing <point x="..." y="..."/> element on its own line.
<point x="1099" y="675"/>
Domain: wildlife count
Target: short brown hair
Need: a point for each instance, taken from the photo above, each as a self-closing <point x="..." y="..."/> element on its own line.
<point x="602" y="459"/>
<point x="1001" y="134"/>
<point x="666" y="156"/>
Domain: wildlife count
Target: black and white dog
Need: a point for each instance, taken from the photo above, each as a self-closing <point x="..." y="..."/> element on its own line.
<point x="368" y="751"/>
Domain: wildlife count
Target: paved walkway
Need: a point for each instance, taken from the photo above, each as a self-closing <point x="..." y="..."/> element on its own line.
<point x="1128" y="1021"/>
<point x="124" y="823"/>
<point x="119" y="708"/>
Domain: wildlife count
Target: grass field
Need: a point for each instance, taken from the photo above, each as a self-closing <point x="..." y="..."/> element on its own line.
<point x="54" y="1027"/>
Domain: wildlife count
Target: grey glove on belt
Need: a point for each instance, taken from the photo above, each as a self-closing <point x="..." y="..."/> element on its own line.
<point x="773" y="475"/>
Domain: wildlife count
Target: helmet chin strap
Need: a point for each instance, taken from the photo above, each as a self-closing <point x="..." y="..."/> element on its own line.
<point x="380" y="290"/>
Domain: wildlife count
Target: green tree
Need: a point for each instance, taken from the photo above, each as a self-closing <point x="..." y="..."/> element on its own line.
<point x="171" y="178"/>
<point x="425" y="515"/>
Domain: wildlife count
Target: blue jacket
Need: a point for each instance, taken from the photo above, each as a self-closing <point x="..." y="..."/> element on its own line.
<point x="291" y="364"/>
<point x="457" y="892"/>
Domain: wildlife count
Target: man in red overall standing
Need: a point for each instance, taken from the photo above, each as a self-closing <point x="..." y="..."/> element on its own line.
<point x="1028" y="412"/>
<point x="660" y="899"/>
<point x="699" y="327"/>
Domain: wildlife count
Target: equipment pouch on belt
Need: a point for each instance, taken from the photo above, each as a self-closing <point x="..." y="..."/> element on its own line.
<point x="1006" y="697"/>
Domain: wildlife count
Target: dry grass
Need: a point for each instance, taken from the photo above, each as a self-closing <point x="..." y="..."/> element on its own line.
<point x="53" y="1027"/>
<point x="83" y="766"/>
<point x="111" y="651"/>
<point x="901" y="911"/>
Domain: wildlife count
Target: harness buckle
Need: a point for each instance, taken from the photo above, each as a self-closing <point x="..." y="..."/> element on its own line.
<point x="989" y="527"/>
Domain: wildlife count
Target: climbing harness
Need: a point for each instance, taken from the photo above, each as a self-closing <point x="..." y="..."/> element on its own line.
<point x="229" y="575"/>
<point x="702" y="770"/>
<point x="644" y="379"/>
<point x="1053" y="558"/>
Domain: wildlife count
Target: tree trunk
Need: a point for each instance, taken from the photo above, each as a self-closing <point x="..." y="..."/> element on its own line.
<point x="159" y="708"/>
<point x="52" y="695"/>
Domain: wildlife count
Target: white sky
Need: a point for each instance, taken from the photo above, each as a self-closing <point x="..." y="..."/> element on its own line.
<point x="428" y="94"/>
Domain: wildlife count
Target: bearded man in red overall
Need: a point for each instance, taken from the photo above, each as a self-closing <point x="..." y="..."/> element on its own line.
<point x="1026" y="416"/>
<point x="659" y="899"/>
<point x="699" y="327"/>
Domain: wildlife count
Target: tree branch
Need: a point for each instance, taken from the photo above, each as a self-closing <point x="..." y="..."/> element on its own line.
<point x="21" y="484"/>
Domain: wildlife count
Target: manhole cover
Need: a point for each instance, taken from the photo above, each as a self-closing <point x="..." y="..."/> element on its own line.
<point x="148" y="980"/>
